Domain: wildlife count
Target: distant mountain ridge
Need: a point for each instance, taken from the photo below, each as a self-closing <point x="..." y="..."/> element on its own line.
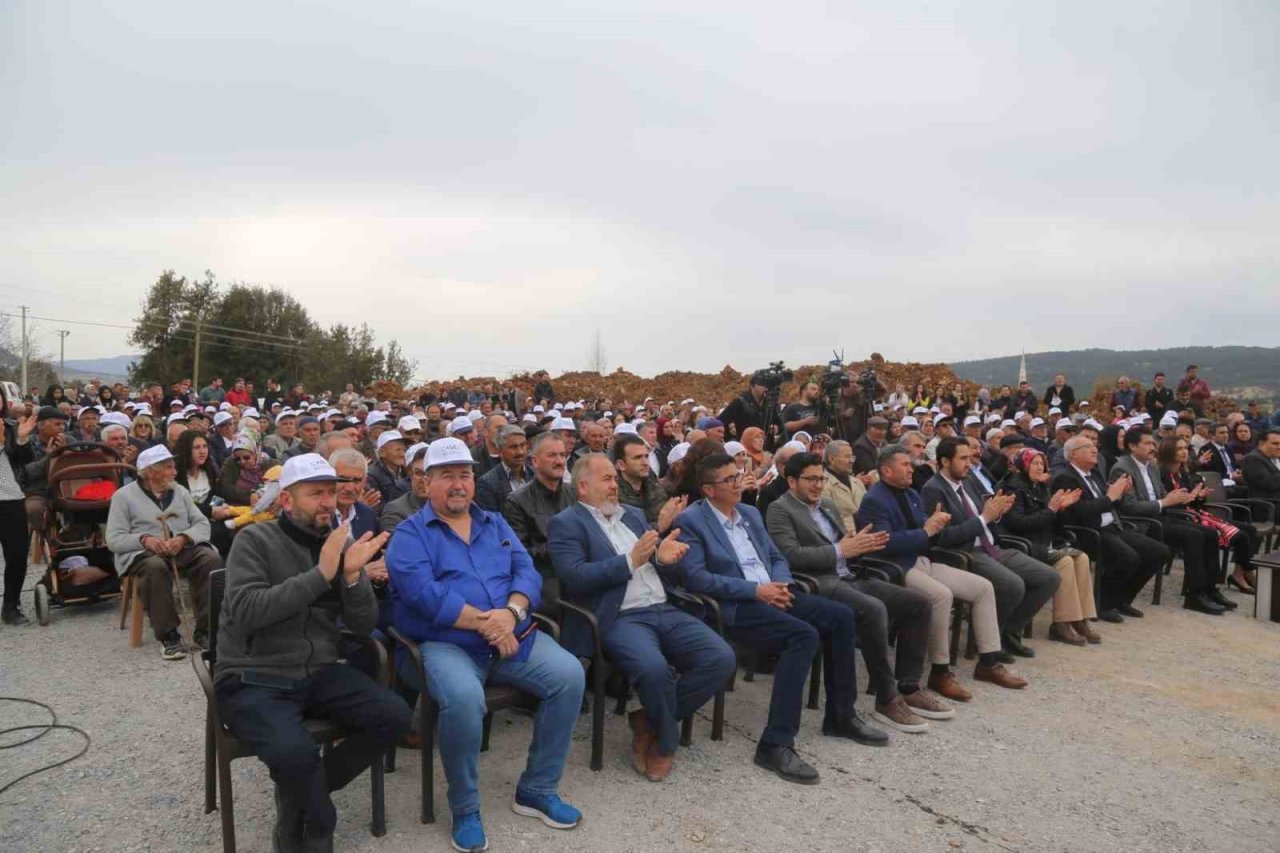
<point x="116" y="367"/>
<point x="1248" y="371"/>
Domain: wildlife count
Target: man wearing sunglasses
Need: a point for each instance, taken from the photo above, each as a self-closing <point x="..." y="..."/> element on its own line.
<point x="732" y="559"/>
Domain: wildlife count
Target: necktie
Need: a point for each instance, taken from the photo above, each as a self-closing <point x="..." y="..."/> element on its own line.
<point x="984" y="538"/>
<point x="1226" y="460"/>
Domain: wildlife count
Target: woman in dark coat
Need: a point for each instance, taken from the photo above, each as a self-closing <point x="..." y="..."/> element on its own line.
<point x="1034" y="516"/>
<point x="15" y="436"/>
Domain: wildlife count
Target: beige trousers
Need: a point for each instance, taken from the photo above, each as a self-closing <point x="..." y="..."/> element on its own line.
<point x="1073" y="601"/>
<point x="941" y="584"/>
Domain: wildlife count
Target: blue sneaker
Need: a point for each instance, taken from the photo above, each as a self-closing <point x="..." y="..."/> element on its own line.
<point x="468" y="833"/>
<point x="551" y="810"/>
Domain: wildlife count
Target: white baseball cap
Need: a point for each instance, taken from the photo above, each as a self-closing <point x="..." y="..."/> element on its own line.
<point x="250" y="412"/>
<point x="375" y="418"/>
<point x="539" y="409"/>
<point x="413" y="452"/>
<point x="529" y="419"/>
<point x="176" y="418"/>
<point x="461" y="423"/>
<point x="388" y="437"/>
<point x="1006" y="423"/>
<point x="733" y="448"/>
<point x="117" y="418"/>
<point x="409" y="423"/>
<point x="910" y="421"/>
<point x="973" y="420"/>
<point x="677" y="453"/>
<point x="152" y="456"/>
<point x="629" y="429"/>
<point x="1170" y="419"/>
<point x="475" y="415"/>
<point x="1035" y="422"/>
<point x="448" y="451"/>
<point x="1092" y="424"/>
<point x="1055" y="411"/>
<point x="307" y="468"/>
<point x="221" y="418"/>
<point x="564" y="423"/>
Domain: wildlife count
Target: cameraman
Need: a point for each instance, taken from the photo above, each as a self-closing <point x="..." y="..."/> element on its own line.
<point x="805" y="414"/>
<point x="747" y="409"/>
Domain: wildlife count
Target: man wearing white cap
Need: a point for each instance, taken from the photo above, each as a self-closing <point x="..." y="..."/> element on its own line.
<point x="463" y="429"/>
<point x="466" y="588"/>
<point x="385" y="475"/>
<point x="411" y="501"/>
<point x="375" y="425"/>
<point x="142" y="546"/>
<point x="289" y="584"/>
<point x="220" y="441"/>
<point x="285" y="436"/>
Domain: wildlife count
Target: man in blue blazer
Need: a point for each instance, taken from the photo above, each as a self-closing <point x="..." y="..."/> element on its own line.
<point x="892" y="506"/>
<point x="610" y="561"/>
<point x="732" y="559"/>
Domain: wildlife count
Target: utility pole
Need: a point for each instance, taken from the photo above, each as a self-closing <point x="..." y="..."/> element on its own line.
<point x="195" y="366"/>
<point x="62" y="351"/>
<point x="25" y="348"/>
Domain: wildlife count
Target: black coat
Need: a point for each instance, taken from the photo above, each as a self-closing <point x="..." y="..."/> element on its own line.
<point x="1030" y="516"/>
<point x="1067" y="395"/>
<point x="741" y="414"/>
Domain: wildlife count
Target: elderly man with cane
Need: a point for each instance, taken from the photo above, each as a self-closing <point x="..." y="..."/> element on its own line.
<point x="153" y="521"/>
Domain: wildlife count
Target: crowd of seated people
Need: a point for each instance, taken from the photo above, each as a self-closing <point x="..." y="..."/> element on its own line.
<point x="453" y="517"/>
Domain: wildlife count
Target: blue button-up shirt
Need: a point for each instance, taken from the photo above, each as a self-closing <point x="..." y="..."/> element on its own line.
<point x="753" y="569"/>
<point x="434" y="574"/>
<point x="829" y="531"/>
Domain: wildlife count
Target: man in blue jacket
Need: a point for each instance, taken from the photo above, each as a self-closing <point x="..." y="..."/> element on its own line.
<point x="732" y="559"/>
<point x="464" y="587"/>
<point x="892" y="506"/>
<point x="609" y="560"/>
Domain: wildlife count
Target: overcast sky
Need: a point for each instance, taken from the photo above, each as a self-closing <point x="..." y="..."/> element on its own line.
<point x="707" y="183"/>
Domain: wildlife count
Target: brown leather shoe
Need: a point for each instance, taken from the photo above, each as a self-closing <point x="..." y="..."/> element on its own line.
<point x="1062" y="632"/>
<point x="642" y="739"/>
<point x="946" y="686"/>
<point x="412" y="740"/>
<point x="998" y="676"/>
<point x="658" y="766"/>
<point x="1084" y="629"/>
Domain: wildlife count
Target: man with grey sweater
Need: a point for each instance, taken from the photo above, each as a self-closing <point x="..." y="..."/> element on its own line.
<point x="289" y="583"/>
<point x="153" y="521"/>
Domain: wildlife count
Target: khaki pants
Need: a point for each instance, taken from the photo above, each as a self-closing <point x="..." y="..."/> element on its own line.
<point x="156" y="586"/>
<point x="941" y="584"/>
<point x="1073" y="601"/>
<point x="35" y="512"/>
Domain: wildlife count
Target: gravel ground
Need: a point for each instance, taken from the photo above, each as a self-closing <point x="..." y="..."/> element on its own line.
<point x="1164" y="738"/>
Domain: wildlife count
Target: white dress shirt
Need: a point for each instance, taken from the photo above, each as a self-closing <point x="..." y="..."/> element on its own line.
<point x="645" y="587"/>
<point x="1108" y="518"/>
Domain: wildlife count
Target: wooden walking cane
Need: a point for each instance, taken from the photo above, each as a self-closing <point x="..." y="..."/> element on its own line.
<point x="183" y="604"/>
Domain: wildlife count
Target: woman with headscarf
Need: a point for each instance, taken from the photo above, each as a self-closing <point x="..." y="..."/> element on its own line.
<point x="1110" y="445"/>
<point x="981" y="404"/>
<point x="1034" y="517"/>
<point x="241" y="475"/>
<point x="742" y="459"/>
<point x="753" y="441"/>
<point x="1239" y="537"/>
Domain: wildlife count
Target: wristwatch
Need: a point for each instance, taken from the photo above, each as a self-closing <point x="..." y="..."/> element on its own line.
<point x="517" y="611"/>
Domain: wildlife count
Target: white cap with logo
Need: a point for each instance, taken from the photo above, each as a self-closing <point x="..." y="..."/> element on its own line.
<point x="307" y="468"/>
<point x="448" y="451"/>
<point x="388" y="437"/>
<point x="152" y="456"/>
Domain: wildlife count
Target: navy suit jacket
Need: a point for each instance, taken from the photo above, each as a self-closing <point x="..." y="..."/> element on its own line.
<point x="711" y="565"/>
<point x="882" y="512"/>
<point x="592" y="573"/>
<point x="365" y="521"/>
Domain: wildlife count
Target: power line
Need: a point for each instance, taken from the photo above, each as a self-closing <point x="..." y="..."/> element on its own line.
<point x="263" y="339"/>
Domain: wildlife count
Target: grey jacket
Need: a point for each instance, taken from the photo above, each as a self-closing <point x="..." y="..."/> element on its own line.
<point x="1138" y="501"/>
<point x="798" y="536"/>
<point x="134" y="513"/>
<point x="397" y="511"/>
<point x="272" y="618"/>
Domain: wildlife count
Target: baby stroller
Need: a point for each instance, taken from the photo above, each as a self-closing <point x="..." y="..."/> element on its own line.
<point x="82" y="478"/>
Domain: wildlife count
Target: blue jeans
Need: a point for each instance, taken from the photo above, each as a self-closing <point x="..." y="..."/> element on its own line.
<point x="674" y="662"/>
<point x="456" y="682"/>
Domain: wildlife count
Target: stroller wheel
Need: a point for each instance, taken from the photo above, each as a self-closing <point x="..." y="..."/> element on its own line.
<point x="42" y="604"/>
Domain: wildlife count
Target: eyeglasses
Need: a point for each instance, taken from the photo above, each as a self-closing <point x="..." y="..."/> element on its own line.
<point x="813" y="479"/>
<point x="732" y="478"/>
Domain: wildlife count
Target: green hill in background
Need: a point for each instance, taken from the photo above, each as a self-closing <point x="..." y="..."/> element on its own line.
<point x="1252" y="372"/>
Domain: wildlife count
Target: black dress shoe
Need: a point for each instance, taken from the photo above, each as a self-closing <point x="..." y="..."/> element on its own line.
<point x="1014" y="645"/>
<point x="1201" y="603"/>
<point x="1130" y="610"/>
<point x="856" y="728"/>
<point x="1111" y="615"/>
<point x="784" y="761"/>
<point x="1215" y="594"/>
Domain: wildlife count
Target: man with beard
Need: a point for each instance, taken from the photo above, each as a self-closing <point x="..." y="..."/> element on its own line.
<point x="143" y="547"/>
<point x="529" y="509"/>
<point x="289" y="585"/>
<point x="746" y="410"/>
<point x="465" y="592"/>
<point x="804" y="414"/>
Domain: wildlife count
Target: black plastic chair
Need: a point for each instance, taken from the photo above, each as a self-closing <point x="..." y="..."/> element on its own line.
<point x="221" y="747"/>
<point x="605" y="679"/>
<point x="497" y="697"/>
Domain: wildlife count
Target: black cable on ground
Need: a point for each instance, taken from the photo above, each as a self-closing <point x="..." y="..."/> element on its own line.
<point x="42" y="729"/>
